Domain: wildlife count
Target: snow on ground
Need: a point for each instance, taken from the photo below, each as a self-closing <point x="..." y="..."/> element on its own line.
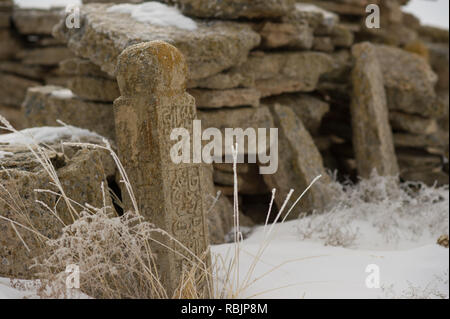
<point x="310" y="269"/>
<point x="157" y="14"/>
<point x="434" y="13"/>
<point x="376" y="222"/>
<point x="45" y="4"/>
<point x="46" y="134"/>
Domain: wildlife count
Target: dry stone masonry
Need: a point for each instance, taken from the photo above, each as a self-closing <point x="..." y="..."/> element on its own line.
<point x="29" y="55"/>
<point x="343" y="96"/>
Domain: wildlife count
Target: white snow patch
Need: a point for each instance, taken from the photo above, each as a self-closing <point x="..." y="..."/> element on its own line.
<point x="46" y="134"/>
<point x="307" y="269"/>
<point x="63" y="94"/>
<point x="156" y="13"/>
<point x="46" y="4"/>
<point x="3" y="154"/>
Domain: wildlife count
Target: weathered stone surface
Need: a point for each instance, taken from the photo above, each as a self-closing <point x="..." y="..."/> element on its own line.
<point x="44" y="56"/>
<point x="372" y="135"/>
<point x="339" y="74"/>
<point x="94" y="88"/>
<point x="81" y="173"/>
<point x="276" y="73"/>
<point x="412" y="123"/>
<point x="409" y="82"/>
<point x="292" y="35"/>
<point x="82" y="67"/>
<point x="435" y="142"/>
<point x="299" y="164"/>
<point x="342" y="36"/>
<point x="234" y="9"/>
<point x="210" y="99"/>
<point x="391" y="34"/>
<point x="45" y="41"/>
<point x="322" y="21"/>
<point x="250" y="183"/>
<point x="324" y="44"/>
<point x="439" y="60"/>
<point x="212" y="48"/>
<point x="308" y="108"/>
<point x="13" y="115"/>
<point x="46" y="104"/>
<point x="5" y="20"/>
<point x="34" y="21"/>
<point x="10" y="45"/>
<point x="241" y="168"/>
<point x="418" y="159"/>
<point x="273" y="73"/>
<point x="13" y="88"/>
<point x="345" y="7"/>
<point x="434" y="34"/>
<point x="222" y="81"/>
<point x="237" y="118"/>
<point x="56" y="80"/>
<point x="35" y="72"/>
<point x="153" y="102"/>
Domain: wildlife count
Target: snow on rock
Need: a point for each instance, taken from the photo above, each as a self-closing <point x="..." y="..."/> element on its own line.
<point x="157" y="14"/>
<point x="291" y="268"/>
<point x="45" y="4"/>
<point x="46" y="134"/>
<point x="62" y="94"/>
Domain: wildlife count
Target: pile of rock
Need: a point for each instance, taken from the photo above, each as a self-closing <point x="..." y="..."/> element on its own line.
<point x="414" y="63"/>
<point x="249" y="74"/>
<point x="279" y="63"/>
<point x="29" y="55"/>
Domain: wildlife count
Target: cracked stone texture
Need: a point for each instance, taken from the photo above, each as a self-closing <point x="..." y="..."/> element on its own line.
<point x="234" y="9"/>
<point x="212" y="48"/>
<point x="372" y="134"/>
<point x="300" y="162"/>
<point x="42" y="108"/>
<point x="409" y="81"/>
<point x="81" y="173"/>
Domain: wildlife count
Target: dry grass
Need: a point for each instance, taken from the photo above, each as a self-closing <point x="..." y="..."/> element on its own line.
<point x="115" y="253"/>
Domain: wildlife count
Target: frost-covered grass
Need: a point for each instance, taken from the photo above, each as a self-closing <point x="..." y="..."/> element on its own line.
<point x="380" y="212"/>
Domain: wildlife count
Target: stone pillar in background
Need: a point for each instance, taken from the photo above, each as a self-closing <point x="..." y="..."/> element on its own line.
<point x="372" y="134"/>
<point x="152" y="81"/>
